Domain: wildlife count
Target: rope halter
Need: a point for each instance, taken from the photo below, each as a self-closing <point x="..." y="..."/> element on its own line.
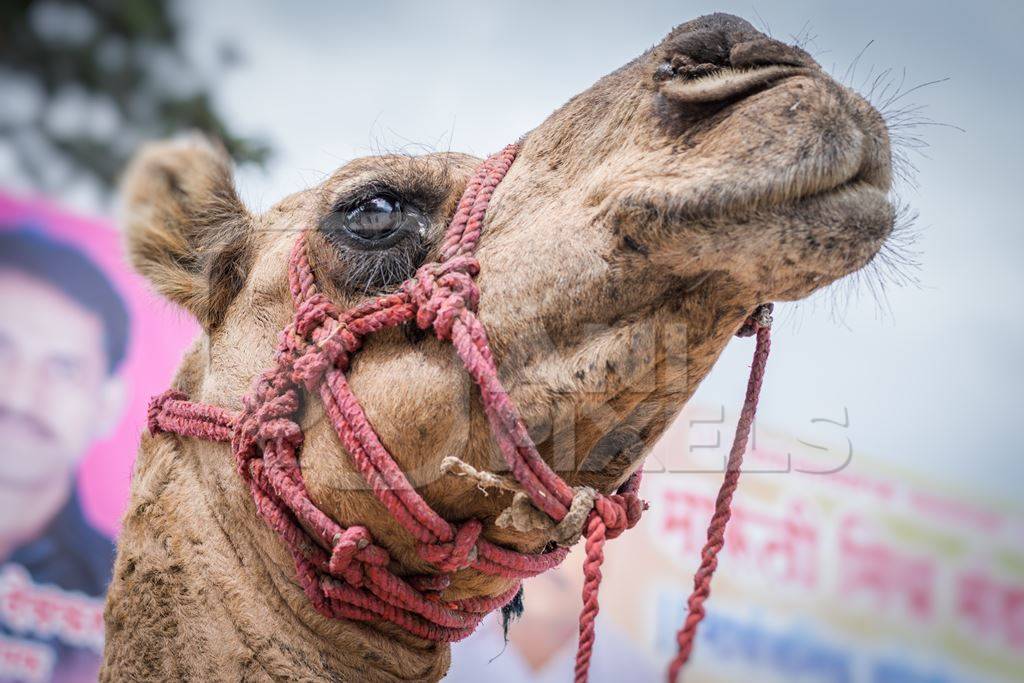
<point x="342" y="570"/>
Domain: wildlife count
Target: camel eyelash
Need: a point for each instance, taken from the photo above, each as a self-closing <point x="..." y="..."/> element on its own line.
<point x="420" y="189"/>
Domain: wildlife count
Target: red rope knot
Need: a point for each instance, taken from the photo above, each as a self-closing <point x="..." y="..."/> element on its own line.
<point x="456" y="554"/>
<point x="761" y="318"/>
<point x="346" y="545"/>
<point x="280" y="428"/>
<point x="365" y="561"/>
<point x="338" y="344"/>
<point x="440" y="291"/>
<point x="614" y="512"/>
<point x="313" y="313"/>
<point x="272" y="419"/>
<point x="266" y="414"/>
<point x="309" y="368"/>
<point x="157" y="405"/>
<point x="332" y="349"/>
<point x="629" y="508"/>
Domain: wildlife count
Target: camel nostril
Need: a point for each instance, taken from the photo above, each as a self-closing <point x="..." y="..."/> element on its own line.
<point x="723" y="41"/>
<point x="708" y="40"/>
<point x="718" y="59"/>
<point x="722" y="86"/>
<point x="762" y="52"/>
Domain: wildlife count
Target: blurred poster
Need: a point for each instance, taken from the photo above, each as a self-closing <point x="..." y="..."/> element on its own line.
<point x="836" y="569"/>
<point x="83" y="345"/>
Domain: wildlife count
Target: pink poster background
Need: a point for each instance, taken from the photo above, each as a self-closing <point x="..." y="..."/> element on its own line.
<point x="159" y="334"/>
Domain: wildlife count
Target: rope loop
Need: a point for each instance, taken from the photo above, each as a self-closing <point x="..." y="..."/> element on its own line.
<point x="285" y="429"/>
<point x="157" y="406"/>
<point x="309" y="368"/>
<point x="760" y="319"/>
<point x="313" y="313"/>
<point x="459" y="553"/>
<point x="266" y="414"/>
<point x="615" y="512"/>
<point x="440" y="291"/>
<point x="346" y="544"/>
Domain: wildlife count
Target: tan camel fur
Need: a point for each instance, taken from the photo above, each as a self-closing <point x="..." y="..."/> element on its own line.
<point x="642" y="222"/>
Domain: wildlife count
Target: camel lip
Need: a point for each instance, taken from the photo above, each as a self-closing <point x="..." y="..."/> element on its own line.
<point x="869" y="176"/>
<point x="865" y="182"/>
<point x="869" y="206"/>
<point x="869" y="168"/>
<point x="856" y="188"/>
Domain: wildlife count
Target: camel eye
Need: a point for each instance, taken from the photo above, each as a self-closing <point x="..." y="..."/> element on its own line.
<point x="375" y="219"/>
<point x="375" y="223"/>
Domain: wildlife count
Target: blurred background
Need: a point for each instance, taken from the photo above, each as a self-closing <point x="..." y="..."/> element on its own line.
<point x="880" y="530"/>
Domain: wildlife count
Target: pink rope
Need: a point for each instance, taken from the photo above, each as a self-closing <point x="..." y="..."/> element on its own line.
<point x="344" y="573"/>
<point x="759" y="324"/>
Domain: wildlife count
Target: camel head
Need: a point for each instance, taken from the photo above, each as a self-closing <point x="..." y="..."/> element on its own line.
<point x="640" y="225"/>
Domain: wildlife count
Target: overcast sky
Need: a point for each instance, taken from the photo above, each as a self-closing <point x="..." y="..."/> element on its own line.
<point x="931" y="378"/>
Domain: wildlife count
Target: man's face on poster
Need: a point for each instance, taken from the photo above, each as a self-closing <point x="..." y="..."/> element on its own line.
<point x="56" y="395"/>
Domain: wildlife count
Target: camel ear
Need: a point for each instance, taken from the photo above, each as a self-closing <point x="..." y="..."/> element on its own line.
<point x="185" y="228"/>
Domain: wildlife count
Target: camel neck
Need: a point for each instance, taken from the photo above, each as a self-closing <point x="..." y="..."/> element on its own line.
<point x="232" y="602"/>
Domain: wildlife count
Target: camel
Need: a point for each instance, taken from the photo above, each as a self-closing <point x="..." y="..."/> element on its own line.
<point x="638" y="228"/>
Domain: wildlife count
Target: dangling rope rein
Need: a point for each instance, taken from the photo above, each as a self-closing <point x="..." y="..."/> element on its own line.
<point x="344" y="573"/>
<point x="757" y="324"/>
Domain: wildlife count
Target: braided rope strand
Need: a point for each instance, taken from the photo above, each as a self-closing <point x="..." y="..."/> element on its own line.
<point x="723" y="505"/>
